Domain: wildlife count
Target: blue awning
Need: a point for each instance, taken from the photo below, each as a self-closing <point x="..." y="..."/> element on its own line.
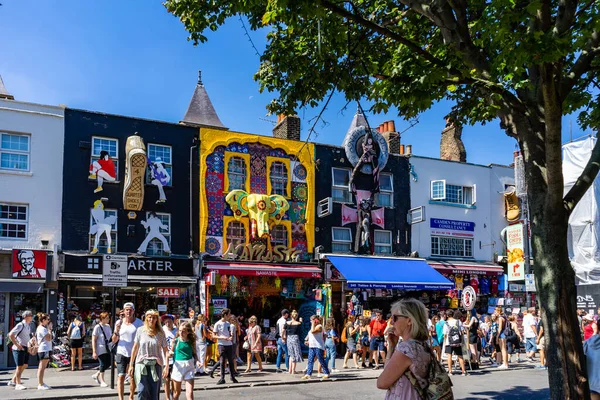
<point x="389" y="273"/>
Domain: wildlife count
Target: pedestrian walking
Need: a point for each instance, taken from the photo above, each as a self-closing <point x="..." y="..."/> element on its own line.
<point x="541" y="344"/>
<point x="148" y="356"/>
<point x="530" y="333"/>
<point x="223" y="332"/>
<point x="502" y="333"/>
<point x="100" y="339"/>
<point x="453" y="333"/>
<point x="377" y="339"/>
<point x="235" y="339"/>
<point x="473" y="328"/>
<point x="253" y="336"/>
<point x="439" y="328"/>
<point x="331" y="342"/>
<point x="43" y="335"/>
<point x="514" y="339"/>
<point x="351" y="333"/>
<point x="19" y="336"/>
<point x="282" y="348"/>
<point x="590" y="327"/>
<point x="364" y="343"/>
<point x="433" y="336"/>
<point x="76" y="334"/>
<point x="291" y="337"/>
<point x="171" y="332"/>
<point x="316" y="346"/>
<point x="124" y="335"/>
<point x="185" y="359"/>
<point x="201" y="344"/>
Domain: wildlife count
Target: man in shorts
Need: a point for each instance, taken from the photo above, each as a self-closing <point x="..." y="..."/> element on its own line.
<point x="377" y="339"/>
<point x="124" y="334"/>
<point x="19" y="335"/>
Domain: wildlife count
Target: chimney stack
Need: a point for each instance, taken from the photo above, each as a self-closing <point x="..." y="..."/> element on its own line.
<point x="401" y="149"/>
<point x="388" y="131"/>
<point x="288" y="127"/>
<point x="408" y="149"/>
<point x="451" y="145"/>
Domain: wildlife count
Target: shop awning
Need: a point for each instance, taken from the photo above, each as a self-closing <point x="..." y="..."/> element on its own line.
<point x="131" y="278"/>
<point x="465" y="267"/>
<point x="22" y="285"/>
<point x="389" y="273"/>
<point x="286" y="271"/>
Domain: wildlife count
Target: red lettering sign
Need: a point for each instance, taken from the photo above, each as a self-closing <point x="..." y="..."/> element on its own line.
<point x="167" y="292"/>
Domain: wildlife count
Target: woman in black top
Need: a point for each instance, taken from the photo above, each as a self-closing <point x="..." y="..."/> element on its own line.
<point x="473" y="327"/>
<point x="291" y="336"/>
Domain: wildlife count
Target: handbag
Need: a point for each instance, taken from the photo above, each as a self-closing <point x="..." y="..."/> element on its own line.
<point x="246" y="345"/>
<point x="110" y="346"/>
<point x="439" y="384"/>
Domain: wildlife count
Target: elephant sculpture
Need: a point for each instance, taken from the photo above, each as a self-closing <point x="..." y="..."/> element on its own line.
<point x="261" y="208"/>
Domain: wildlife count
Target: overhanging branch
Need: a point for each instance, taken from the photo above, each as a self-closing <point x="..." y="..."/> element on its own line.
<point x="584" y="181"/>
<point x="581" y="66"/>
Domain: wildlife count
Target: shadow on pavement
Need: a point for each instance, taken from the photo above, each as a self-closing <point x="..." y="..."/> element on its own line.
<point x="517" y="392"/>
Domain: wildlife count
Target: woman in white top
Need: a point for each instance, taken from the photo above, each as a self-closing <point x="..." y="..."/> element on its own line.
<point x="43" y="335"/>
<point x="316" y="345"/>
<point x="101" y="334"/>
<point x="201" y="345"/>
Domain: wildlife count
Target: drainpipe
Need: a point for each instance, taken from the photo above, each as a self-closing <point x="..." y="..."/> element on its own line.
<point x="195" y="145"/>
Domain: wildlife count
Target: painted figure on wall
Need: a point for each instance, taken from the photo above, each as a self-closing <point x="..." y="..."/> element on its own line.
<point x="160" y="178"/>
<point x="103" y="170"/>
<point x="153" y="225"/>
<point x="363" y="242"/>
<point x="102" y="226"/>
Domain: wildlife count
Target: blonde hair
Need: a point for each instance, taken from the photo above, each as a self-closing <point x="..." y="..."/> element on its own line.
<point x="294" y="315"/>
<point x="350" y="320"/>
<point x="252" y="319"/>
<point x="157" y="328"/>
<point x="414" y="310"/>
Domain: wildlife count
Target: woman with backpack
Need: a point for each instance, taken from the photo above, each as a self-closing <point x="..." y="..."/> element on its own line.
<point x="406" y="375"/>
<point x="350" y="332"/>
<point x="43" y="342"/>
<point x="76" y="334"/>
<point x="100" y="337"/>
<point x="453" y="338"/>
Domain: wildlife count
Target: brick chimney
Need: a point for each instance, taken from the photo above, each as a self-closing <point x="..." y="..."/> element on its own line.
<point x="451" y="146"/>
<point x="288" y="127"/>
<point x="388" y="131"/>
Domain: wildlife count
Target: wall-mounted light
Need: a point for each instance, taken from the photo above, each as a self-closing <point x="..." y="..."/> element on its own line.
<point x="45" y="243"/>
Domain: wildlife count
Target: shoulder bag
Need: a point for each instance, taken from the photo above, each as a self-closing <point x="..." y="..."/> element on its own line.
<point x="439" y="384"/>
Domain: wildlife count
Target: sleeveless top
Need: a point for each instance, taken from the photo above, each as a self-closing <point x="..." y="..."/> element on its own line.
<point x="473" y="328"/>
<point x="183" y="351"/>
<point x="292" y="329"/>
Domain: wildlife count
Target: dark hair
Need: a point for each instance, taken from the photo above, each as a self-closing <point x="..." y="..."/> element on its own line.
<point x="104" y="153"/>
<point x="225" y="312"/>
<point x="284" y="311"/>
<point x="457" y="314"/>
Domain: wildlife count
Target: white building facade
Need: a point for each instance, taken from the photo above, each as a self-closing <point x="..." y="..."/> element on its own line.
<point x="31" y="170"/>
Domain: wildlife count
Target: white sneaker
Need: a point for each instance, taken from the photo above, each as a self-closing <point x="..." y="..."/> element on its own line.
<point x="318" y="374"/>
<point x="43" y="387"/>
<point x="11" y="383"/>
<point x="103" y="384"/>
<point x="335" y="370"/>
<point x="95" y="378"/>
<point x="503" y="366"/>
<point x="20" y="387"/>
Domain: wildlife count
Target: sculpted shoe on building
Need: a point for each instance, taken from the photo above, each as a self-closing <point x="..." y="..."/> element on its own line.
<point x="511" y="203"/>
<point x="135" y="171"/>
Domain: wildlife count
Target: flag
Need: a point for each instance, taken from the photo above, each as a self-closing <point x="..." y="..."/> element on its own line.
<point x="378" y="217"/>
<point x="349" y="215"/>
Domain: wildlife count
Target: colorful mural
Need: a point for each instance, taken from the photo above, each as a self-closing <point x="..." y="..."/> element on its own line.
<point x="236" y="168"/>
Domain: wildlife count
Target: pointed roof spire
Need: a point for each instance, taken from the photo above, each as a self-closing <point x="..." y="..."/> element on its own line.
<point x="358" y="120"/>
<point x="201" y="112"/>
<point x="3" y="92"/>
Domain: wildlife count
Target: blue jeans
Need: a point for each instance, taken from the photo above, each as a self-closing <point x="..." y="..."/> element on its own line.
<point x="312" y="352"/>
<point x="148" y="389"/>
<point x="282" y="350"/>
<point x="331" y="353"/>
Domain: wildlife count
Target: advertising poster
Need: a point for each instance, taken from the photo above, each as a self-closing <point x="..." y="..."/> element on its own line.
<point x="29" y="264"/>
<point x="515" y="253"/>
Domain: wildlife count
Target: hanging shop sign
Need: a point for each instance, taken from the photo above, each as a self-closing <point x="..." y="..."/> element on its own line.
<point x="260" y="252"/>
<point x="161" y="266"/>
<point x="114" y="270"/>
<point x="218" y="305"/>
<point x="468" y="297"/>
<point x="29" y="264"/>
<point x="515" y="253"/>
<point x="449" y="227"/>
<point x="167" y="292"/>
<point x="530" y="282"/>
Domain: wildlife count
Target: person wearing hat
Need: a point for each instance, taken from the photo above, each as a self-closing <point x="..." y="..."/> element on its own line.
<point x="124" y="334"/>
<point x="170" y="333"/>
<point x="590" y="327"/>
<point x="19" y="336"/>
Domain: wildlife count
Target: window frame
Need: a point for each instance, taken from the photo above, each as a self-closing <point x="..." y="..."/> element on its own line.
<point x="168" y="166"/>
<point x="288" y="228"/>
<point x="228" y="156"/>
<point x="226" y="221"/>
<point x="386" y="192"/>
<point x="464" y="244"/>
<point x="16" y="221"/>
<point x="113" y="230"/>
<point x="288" y="184"/>
<point x="340" y="242"/>
<point x="390" y="245"/>
<point x="115" y="159"/>
<point x="444" y="198"/>
<point x="167" y="235"/>
<point x="411" y="219"/>
<point x="16" y="152"/>
<point x="340" y="187"/>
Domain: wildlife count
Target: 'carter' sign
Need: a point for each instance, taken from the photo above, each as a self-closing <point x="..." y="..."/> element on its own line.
<point x="158" y="266"/>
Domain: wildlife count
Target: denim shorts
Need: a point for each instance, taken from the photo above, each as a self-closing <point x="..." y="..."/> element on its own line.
<point x="377" y="343"/>
<point x="21" y="356"/>
<point x="122" y="364"/>
<point x="530" y="344"/>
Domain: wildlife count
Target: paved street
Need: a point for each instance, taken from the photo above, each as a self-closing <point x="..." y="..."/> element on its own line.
<point x="521" y="382"/>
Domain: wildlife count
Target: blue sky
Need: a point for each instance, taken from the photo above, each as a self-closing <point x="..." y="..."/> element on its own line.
<point x="133" y="58"/>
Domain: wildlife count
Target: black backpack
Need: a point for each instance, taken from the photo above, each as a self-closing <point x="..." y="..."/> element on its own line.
<point x="454" y="336"/>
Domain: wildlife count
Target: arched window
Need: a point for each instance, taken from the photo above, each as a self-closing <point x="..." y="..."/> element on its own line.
<point x="236" y="234"/>
<point x="279" y="178"/>
<point x="237" y="171"/>
<point x="279" y="236"/>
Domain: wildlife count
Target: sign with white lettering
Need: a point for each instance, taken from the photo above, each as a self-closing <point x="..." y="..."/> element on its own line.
<point x="162" y="308"/>
<point x="449" y="227"/>
<point x="114" y="270"/>
<point x="167" y="292"/>
<point x="218" y="305"/>
<point x="515" y="253"/>
<point x="136" y="265"/>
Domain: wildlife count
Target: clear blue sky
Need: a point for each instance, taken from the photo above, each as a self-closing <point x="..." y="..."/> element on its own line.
<point x="132" y="58"/>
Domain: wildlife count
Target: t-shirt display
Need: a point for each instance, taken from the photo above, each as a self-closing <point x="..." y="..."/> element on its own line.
<point x="494" y="285"/>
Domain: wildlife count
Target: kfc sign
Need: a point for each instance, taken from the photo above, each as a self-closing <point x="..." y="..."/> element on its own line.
<point x="167" y="292"/>
<point x="28" y="264"/>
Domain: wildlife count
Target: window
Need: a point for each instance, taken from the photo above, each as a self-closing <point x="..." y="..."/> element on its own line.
<point x="385" y="197"/>
<point x="451" y="247"/>
<point x="111" y="146"/>
<point x="279" y="236"/>
<point x="14" y="152"/>
<point x="341" y="240"/>
<point x="13" y="221"/>
<point x="456" y="194"/>
<point x="237" y="172"/>
<point x="156" y="247"/>
<point x="103" y="244"/>
<point x="236" y="234"/>
<point x="340" y="188"/>
<point x="383" y="242"/>
<point x="416" y="215"/>
<point x="160" y="153"/>
<point x="279" y="178"/>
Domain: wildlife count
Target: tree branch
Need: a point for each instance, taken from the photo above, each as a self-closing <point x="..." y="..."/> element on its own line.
<point x="584" y="181"/>
<point x="566" y="16"/>
<point x="581" y="66"/>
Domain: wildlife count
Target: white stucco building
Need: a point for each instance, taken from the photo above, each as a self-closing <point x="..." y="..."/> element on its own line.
<point x="31" y="170"/>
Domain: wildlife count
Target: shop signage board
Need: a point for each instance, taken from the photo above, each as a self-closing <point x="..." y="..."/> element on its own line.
<point x="159" y="266"/>
<point x="588" y="298"/>
<point x="468" y="297"/>
<point x="450" y="227"/>
<point x="167" y="292"/>
<point x="401" y="286"/>
<point x="114" y="270"/>
<point x="218" y="305"/>
<point x="260" y="252"/>
<point x="530" y="282"/>
<point x="514" y="252"/>
<point x="162" y="308"/>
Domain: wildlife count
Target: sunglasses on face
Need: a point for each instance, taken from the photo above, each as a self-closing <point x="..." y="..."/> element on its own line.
<point x="396" y="316"/>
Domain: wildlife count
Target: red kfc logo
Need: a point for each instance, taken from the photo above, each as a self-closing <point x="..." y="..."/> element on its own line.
<point x="29" y="264"/>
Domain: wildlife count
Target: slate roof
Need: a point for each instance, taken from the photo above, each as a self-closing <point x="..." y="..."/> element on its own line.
<point x="3" y="92"/>
<point x="201" y="112"/>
